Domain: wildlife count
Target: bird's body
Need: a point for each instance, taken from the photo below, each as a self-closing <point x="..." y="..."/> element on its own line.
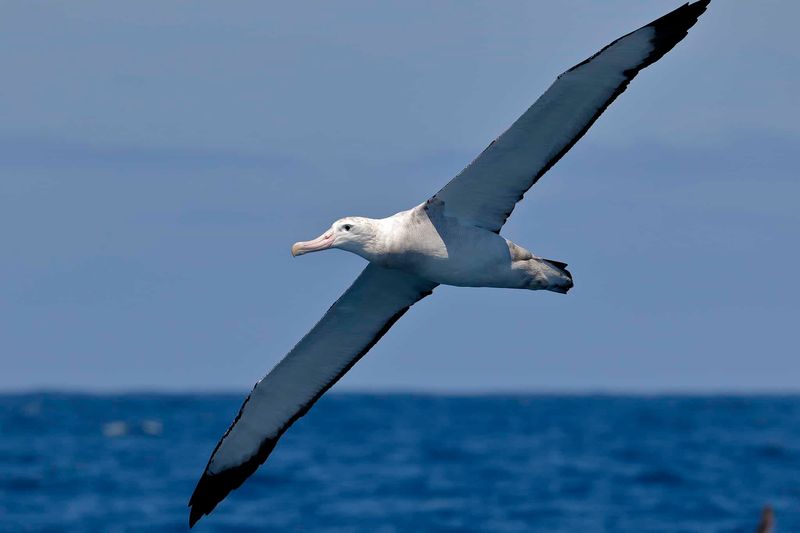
<point x="453" y="238"/>
<point x="428" y="243"/>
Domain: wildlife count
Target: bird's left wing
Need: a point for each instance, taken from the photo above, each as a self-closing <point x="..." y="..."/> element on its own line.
<point x="485" y="193"/>
<point x="358" y="319"/>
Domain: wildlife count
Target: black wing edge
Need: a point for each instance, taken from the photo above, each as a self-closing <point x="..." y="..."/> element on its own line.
<point x="669" y="31"/>
<point x="213" y="488"/>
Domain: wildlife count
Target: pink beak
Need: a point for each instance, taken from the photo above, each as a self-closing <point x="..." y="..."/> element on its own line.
<point x="320" y="243"/>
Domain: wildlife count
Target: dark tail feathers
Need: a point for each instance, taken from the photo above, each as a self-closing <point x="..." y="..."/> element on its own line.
<point x="561" y="266"/>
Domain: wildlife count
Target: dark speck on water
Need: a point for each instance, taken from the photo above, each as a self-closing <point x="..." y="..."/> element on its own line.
<point x="401" y="463"/>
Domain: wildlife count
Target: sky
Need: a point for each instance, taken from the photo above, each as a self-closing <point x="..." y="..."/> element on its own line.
<point x="158" y="159"/>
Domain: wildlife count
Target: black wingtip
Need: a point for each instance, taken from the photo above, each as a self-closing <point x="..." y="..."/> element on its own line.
<point x="676" y="24"/>
<point x="194" y="516"/>
<point x="673" y="27"/>
<point x="686" y="12"/>
<point x="213" y="488"/>
<point x="201" y="504"/>
<point x="669" y="31"/>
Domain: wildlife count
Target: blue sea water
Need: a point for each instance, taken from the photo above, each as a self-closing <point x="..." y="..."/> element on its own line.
<point x="407" y="463"/>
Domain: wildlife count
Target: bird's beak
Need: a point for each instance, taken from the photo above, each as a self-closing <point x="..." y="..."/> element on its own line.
<point x="320" y="243"/>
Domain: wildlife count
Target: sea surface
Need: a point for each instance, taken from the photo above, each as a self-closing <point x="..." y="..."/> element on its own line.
<point x="408" y="463"/>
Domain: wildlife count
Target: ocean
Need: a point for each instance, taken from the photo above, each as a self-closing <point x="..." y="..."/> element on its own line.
<point x="408" y="463"/>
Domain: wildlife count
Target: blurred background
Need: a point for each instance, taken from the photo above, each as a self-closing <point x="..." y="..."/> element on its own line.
<point x="157" y="161"/>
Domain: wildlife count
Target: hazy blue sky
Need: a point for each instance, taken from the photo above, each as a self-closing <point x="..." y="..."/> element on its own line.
<point x="158" y="159"/>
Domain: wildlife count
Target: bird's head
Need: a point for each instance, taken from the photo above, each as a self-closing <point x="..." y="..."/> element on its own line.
<point x="354" y="234"/>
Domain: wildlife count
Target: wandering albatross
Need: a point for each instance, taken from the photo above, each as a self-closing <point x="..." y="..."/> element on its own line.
<point x="452" y="238"/>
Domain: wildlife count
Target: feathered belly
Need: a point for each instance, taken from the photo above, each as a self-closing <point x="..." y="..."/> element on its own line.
<point x="443" y="250"/>
<point x="473" y="274"/>
<point x="463" y="264"/>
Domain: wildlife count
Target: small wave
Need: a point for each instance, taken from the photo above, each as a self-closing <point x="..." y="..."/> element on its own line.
<point x="114" y="429"/>
<point x="152" y="427"/>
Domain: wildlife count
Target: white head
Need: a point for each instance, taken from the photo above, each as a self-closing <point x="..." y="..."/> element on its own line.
<point x="354" y="234"/>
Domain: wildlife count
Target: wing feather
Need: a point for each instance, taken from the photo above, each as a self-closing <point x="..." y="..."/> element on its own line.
<point x="350" y="328"/>
<point x="484" y="194"/>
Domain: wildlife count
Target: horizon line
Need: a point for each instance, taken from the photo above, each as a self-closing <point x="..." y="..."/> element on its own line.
<point x="418" y="391"/>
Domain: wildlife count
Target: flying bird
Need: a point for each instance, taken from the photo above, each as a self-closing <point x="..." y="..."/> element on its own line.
<point x="453" y="238"/>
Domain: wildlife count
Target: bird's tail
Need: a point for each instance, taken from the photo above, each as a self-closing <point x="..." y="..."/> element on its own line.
<point x="562" y="281"/>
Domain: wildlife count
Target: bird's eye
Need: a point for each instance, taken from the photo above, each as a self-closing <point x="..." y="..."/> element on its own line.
<point x="347" y="227"/>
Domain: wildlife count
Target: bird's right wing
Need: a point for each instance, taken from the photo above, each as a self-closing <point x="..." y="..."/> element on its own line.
<point x="358" y="319"/>
<point x="485" y="193"/>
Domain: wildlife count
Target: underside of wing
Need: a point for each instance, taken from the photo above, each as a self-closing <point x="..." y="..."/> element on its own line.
<point x="485" y="193"/>
<point x="358" y="319"/>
